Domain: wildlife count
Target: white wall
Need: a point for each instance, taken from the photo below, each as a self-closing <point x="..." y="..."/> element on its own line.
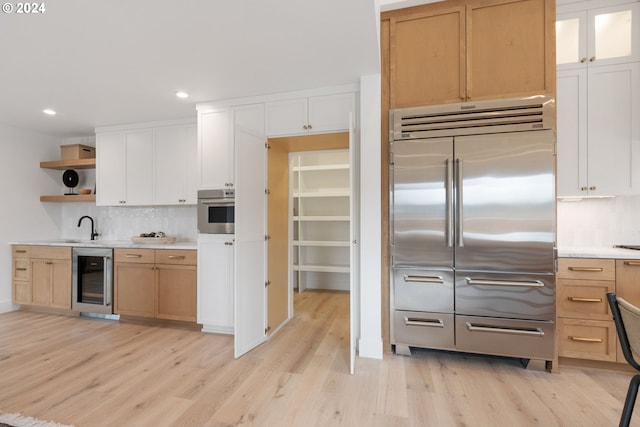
<point x="23" y="216"/>
<point x="599" y="222"/>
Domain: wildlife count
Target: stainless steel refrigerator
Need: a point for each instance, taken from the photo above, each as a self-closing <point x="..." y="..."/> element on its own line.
<point x="473" y="228"/>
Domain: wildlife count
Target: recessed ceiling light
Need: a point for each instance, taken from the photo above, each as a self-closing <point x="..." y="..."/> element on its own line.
<point x="49" y="112"/>
<point x="182" y="94"/>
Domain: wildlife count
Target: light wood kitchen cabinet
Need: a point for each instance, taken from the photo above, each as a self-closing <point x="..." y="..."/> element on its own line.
<point x="585" y="326"/>
<point x="152" y="165"/>
<point x="42" y="276"/>
<point x="315" y="114"/>
<point x="155" y="283"/>
<point x="215" y="282"/>
<point x="469" y="50"/>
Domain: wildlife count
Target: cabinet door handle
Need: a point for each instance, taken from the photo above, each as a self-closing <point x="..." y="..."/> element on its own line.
<point x="133" y="256"/>
<point x="589" y="269"/>
<point x="176" y="257"/>
<point x="583" y="60"/>
<point x="632" y="263"/>
<point x="579" y="299"/>
<point x="423" y="279"/>
<point x="585" y="339"/>
<point x="593" y="58"/>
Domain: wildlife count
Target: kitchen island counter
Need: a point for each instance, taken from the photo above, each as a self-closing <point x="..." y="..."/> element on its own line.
<point x="597" y="252"/>
<point x="109" y="244"/>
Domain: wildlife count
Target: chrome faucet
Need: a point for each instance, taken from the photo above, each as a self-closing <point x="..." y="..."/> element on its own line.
<point x="93" y="231"/>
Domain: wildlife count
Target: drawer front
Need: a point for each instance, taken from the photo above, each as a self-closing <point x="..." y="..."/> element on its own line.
<point x="586" y="268"/>
<point x="584" y="299"/>
<point x="512" y="296"/>
<point x="505" y="337"/>
<point x="423" y="290"/>
<point x="46" y="252"/>
<point x="21" y="269"/>
<point x="587" y="339"/>
<point x="176" y="256"/>
<point x="420" y="329"/>
<point x="134" y="255"/>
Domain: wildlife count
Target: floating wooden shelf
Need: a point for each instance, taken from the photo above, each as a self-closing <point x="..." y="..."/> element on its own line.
<point x="69" y="198"/>
<point x="69" y="164"/>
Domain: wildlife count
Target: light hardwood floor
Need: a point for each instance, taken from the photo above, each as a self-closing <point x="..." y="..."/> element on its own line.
<point x="98" y="373"/>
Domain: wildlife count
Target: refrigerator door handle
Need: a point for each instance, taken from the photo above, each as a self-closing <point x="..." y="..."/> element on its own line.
<point x="482" y="282"/>
<point x="460" y="241"/>
<point x="424" y="279"/>
<point x="449" y="203"/>
<point x="516" y="331"/>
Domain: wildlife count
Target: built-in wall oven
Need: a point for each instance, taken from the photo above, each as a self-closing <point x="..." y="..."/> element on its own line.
<point x="216" y="211"/>
<point x="92" y="291"/>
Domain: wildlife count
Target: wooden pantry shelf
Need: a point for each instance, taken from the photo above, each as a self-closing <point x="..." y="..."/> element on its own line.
<point x="69" y="198"/>
<point x="69" y="164"/>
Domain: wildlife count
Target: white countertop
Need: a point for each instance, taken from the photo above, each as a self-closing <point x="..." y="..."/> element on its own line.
<point x="108" y="244"/>
<point x="597" y="252"/>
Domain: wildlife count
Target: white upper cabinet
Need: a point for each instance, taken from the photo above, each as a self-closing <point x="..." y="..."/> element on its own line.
<point x="175" y="166"/>
<point x="598" y="100"/>
<point x="110" y="169"/>
<point x="316" y="114"/>
<point x="142" y="166"/>
<point x="215" y="149"/>
<point x="598" y="36"/>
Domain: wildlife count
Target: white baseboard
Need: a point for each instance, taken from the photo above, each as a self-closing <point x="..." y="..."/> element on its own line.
<point x="370" y="348"/>
<point x="213" y="329"/>
<point x="7" y="306"/>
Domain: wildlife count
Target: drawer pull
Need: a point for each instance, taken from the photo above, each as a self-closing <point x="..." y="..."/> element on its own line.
<point x="530" y="284"/>
<point x="578" y="299"/>
<point x="424" y="279"/>
<point x="133" y="256"/>
<point x="176" y="257"/>
<point x="516" y="331"/>
<point x="632" y="263"/>
<point x="21" y="251"/>
<point x="21" y="269"/>
<point x="432" y="323"/>
<point x="588" y="269"/>
<point x="584" y="339"/>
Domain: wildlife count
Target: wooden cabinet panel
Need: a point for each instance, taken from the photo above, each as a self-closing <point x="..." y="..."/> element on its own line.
<point x="176" y="292"/>
<point x="508" y="48"/>
<point x="587" y="268"/>
<point x="21" y="269"/>
<point x="134" y="289"/>
<point x="628" y="280"/>
<point x="584" y="298"/>
<point x="60" y="284"/>
<point x="465" y="50"/>
<point x="40" y="282"/>
<point x="587" y="339"/>
<point x="427" y="58"/>
<point x="176" y="256"/>
<point x="160" y="283"/>
<point x="134" y="255"/>
<point x="21" y="292"/>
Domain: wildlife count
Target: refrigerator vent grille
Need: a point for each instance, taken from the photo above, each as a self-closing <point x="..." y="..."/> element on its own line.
<point x="522" y="114"/>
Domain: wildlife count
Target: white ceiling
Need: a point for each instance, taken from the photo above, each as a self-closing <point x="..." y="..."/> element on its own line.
<point x="100" y="63"/>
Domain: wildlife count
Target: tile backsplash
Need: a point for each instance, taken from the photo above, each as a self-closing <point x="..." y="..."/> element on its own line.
<point x="599" y="222"/>
<point x="121" y="223"/>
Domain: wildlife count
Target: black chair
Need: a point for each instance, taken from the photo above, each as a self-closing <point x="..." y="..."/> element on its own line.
<point x="627" y="319"/>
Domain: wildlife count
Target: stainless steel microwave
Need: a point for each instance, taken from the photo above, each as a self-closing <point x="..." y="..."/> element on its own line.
<point x="216" y="211"/>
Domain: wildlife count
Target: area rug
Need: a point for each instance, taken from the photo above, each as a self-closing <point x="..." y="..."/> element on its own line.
<point x="17" y="420"/>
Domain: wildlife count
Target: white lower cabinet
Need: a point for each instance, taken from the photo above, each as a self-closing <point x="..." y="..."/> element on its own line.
<point x="215" y="282"/>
